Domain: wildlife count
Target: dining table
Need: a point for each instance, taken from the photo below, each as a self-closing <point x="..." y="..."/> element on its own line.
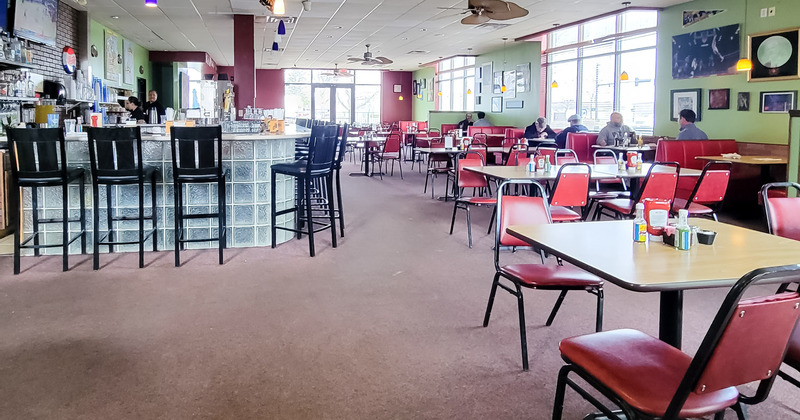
<point x="369" y="144"/>
<point x="607" y="250"/>
<point x="765" y="163"/>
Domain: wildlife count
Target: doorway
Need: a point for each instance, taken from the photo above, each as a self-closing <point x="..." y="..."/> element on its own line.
<point x="333" y="103"/>
<point x="141" y="89"/>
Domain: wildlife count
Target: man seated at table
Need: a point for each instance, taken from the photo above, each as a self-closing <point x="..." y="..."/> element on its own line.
<point x="539" y="130"/>
<point x="464" y="124"/>
<point x="575" y="126"/>
<point x="613" y="131"/>
<point x="688" y="130"/>
<point x="482" y="121"/>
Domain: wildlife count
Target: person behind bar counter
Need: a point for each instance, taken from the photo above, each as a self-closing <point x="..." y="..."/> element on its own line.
<point x="152" y="102"/>
<point x="132" y="105"/>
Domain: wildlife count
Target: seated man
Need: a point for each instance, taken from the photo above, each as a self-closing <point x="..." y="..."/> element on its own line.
<point x="464" y="124"/>
<point x="539" y="130"/>
<point x="575" y="126"/>
<point x="688" y="130"/>
<point x="482" y="121"/>
<point x="613" y="131"/>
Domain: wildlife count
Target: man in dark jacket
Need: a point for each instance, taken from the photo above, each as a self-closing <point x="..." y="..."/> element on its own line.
<point x="575" y="126"/>
<point x="539" y="130"/>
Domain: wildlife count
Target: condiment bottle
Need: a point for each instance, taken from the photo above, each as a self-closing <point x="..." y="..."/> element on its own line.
<point x="639" y="162"/>
<point x="683" y="233"/>
<point x="620" y="163"/>
<point x="547" y="164"/>
<point x="639" y="224"/>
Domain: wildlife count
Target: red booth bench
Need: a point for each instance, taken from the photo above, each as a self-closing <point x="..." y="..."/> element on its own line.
<point x="685" y="151"/>
<point x="491" y="141"/>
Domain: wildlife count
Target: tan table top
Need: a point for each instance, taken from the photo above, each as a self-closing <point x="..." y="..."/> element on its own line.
<point x="647" y="147"/>
<point x="633" y="173"/>
<point x="650" y="267"/>
<point x="521" y="172"/>
<point x="750" y="160"/>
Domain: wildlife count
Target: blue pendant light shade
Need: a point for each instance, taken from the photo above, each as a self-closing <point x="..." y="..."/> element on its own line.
<point x="281" y="28"/>
<point x="274" y="46"/>
<point x="151" y="3"/>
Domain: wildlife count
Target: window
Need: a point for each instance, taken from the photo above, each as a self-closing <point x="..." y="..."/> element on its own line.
<point x="587" y="61"/>
<point x="456" y="79"/>
<point x="353" y="97"/>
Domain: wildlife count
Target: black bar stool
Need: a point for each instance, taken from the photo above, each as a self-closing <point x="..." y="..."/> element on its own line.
<point x="197" y="158"/>
<point x="39" y="159"/>
<point x="337" y="167"/>
<point x="116" y="157"/>
<point x="318" y="166"/>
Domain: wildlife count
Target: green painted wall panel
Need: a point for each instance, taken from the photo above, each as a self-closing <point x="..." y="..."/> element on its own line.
<point x="747" y="126"/>
<point x="141" y="57"/>
<point x="421" y="106"/>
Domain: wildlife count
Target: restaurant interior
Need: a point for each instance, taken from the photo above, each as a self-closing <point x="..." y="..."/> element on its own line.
<point x="369" y="209"/>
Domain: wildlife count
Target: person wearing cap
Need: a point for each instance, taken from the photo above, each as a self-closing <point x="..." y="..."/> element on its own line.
<point x="575" y="126"/>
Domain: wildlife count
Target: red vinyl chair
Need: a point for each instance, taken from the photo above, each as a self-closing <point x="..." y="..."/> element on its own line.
<point x="467" y="179"/>
<point x="709" y="191"/>
<point x="390" y="151"/>
<point x="437" y="164"/>
<point x="571" y="190"/>
<point x="547" y="150"/>
<point x="649" y="378"/>
<point x="518" y="151"/>
<point x="565" y="156"/>
<point x="525" y="210"/>
<point x="659" y="184"/>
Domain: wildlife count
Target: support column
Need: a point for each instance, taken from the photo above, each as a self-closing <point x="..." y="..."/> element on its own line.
<point x="244" y="61"/>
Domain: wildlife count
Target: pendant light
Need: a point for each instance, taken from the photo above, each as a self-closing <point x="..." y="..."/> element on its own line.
<point x="281" y="28"/>
<point x="279" y="8"/>
<point x="554" y="84"/>
<point x="151" y="3"/>
<point x="503" y="87"/>
<point x="744" y="63"/>
<point x="274" y="46"/>
<point x="623" y="76"/>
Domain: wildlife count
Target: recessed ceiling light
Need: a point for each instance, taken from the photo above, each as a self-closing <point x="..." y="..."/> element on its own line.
<point x="422" y="29"/>
<point x="115" y="17"/>
<point x="405" y="38"/>
<point x="337" y="27"/>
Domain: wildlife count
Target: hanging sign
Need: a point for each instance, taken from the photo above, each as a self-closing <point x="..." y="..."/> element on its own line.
<point x="68" y="59"/>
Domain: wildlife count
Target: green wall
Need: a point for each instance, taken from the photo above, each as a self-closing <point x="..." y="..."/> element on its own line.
<point x="141" y="57"/>
<point x="519" y="53"/>
<point x="421" y="106"/>
<point x="747" y="126"/>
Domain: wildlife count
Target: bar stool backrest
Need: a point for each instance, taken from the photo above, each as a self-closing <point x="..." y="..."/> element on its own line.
<point x="342" y="147"/>
<point x="115" y="152"/>
<point x="196" y="151"/>
<point x="322" y="149"/>
<point x="37" y="153"/>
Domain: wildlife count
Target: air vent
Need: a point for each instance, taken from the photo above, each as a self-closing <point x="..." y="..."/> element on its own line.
<point x="414" y="52"/>
<point x="286" y="19"/>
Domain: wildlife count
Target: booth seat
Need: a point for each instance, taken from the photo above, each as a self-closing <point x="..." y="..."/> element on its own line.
<point x="421" y="125"/>
<point x="447" y="127"/>
<point x="684" y="152"/>
<point x="491" y="141"/>
<point x="582" y="143"/>
<point x="512" y="136"/>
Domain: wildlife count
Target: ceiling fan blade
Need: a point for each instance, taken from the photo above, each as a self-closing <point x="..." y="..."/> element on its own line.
<point x="486" y="4"/>
<point x="355" y="59"/>
<point x="384" y="60"/>
<point x="508" y="11"/>
<point x="475" y="19"/>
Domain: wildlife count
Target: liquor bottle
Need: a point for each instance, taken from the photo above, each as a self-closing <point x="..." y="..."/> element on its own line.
<point x="30" y="89"/>
<point x="16" y="47"/>
<point x="639" y="224"/>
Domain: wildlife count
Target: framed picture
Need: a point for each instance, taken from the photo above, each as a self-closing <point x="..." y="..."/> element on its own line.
<point x="127" y="62"/>
<point x="510" y="82"/>
<point x="523" y="76"/>
<point x="486" y="74"/>
<point x="774" y="55"/>
<point x="695" y="55"/>
<point x="778" y="102"/>
<point x="398" y="88"/>
<point x="497" y="82"/>
<point x="414" y="87"/>
<point x="477" y="100"/>
<point x="719" y="98"/>
<point x="681" y="99"/>
<point x="113" y="70"/>
<point x="515" y="104"/>
<point x="497" y="104"/>
<point x="424" y="83"/>
<point x="743" y="101"/>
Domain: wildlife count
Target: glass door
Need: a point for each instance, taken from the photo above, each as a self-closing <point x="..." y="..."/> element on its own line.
<point x="333" y="103"/>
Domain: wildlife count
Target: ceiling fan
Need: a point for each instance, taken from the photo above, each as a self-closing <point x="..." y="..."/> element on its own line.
<point x="337" y="72"/>
<point x="484" y="10"/>
<point x="369" y="60"/>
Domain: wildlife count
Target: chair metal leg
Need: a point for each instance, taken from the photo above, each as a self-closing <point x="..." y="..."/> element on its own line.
<point x="453" y="220"/>
<point x="400" y="165"/>
<point x="141" y="223"/>
<point x="469" y="227"/>
<point x="523" y="338"/>
<point x="339" y="202"/>
<point x="95" y="227"/>
<point x="65" y="226"/>
<point x="109" y="216"/>
<point x="489" y="305"/>
<point x="598" y="323"/>
<point x="177" y="192"/>
<point x="561" y="390"/>
<point x="556" y="307"/>
<point x="491" y="219"/>
<point x="35" y="217"/>
<point x="331" y="214"/>
<point x="309" y="215"/>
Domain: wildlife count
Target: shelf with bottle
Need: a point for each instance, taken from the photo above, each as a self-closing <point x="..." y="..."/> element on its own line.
<point x="18" y="99"/>
<point x="13" y="64"/>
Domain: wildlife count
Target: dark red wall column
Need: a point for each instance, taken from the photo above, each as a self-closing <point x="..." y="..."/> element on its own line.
<point x="244" y="61"/>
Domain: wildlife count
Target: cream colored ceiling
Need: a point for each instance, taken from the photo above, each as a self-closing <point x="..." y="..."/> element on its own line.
<point x="335" y="29"/>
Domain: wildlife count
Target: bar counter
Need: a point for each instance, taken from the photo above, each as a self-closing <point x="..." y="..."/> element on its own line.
<point x="246" y="157"/>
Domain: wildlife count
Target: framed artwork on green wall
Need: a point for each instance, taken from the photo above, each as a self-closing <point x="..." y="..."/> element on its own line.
<point x="774" y="55"/>
<point x="681" y="99"/>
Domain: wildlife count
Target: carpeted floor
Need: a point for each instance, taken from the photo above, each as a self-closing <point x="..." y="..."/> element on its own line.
<point x="388" y="325"/>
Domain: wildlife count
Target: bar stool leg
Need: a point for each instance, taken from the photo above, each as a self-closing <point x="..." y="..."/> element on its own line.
<point x="176" y="196"/>
<point x="82" y="196"/>
<point x="65" y="226"/>
<point x="141" y="223"/>
<point x="17" y="230"/>
<point x="339" y="202"/>
<point x="331" y="215"/>
<point x="96" y="226"/>
<point x="221" y="217"/>
<point x="309" y="214"/>
<point x="273" y="210"/>
<point x="110" y="216"/>
<point x="35" y="217"/>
